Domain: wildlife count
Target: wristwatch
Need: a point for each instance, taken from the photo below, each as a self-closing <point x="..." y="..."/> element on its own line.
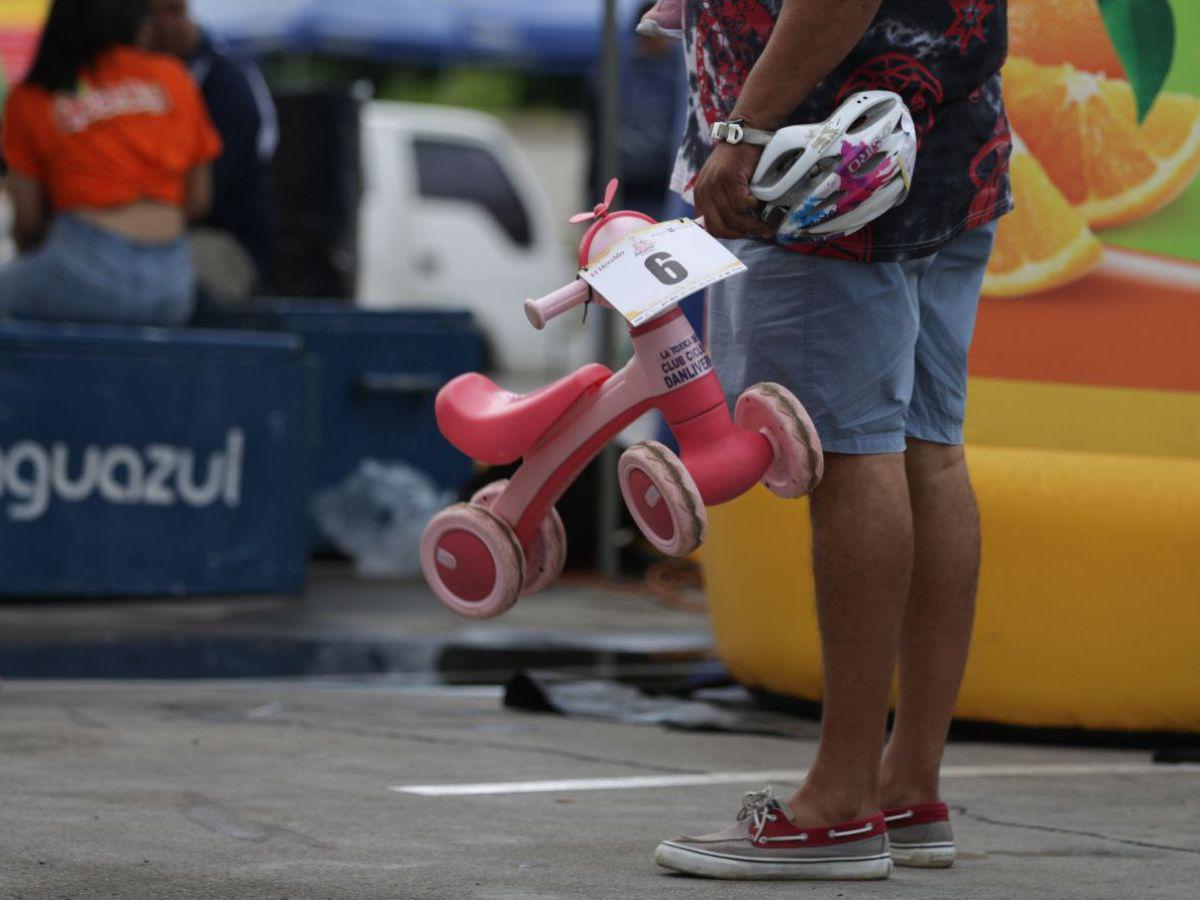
<point x="736" y="131"/>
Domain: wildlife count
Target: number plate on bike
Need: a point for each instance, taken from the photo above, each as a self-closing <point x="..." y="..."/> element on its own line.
<point x="653" y="268"/>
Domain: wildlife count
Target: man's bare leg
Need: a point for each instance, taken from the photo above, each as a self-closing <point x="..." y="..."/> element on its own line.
<point x="936" y="629"/>
<point x="862" y="562"/>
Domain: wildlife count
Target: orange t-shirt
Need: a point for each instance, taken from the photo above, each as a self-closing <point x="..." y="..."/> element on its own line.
<point x="134" y="128"/>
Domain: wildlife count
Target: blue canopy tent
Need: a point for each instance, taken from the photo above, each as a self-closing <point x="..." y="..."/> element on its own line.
<point x="548" y="35"/>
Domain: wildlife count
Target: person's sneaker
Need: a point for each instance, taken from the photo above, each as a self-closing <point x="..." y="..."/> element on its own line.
<point x="920" y="835"/>
<point x="664" y="19"/>
<point x="765" y="843"/>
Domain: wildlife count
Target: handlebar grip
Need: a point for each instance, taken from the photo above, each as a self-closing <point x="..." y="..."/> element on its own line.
<point x="567" y="297"/>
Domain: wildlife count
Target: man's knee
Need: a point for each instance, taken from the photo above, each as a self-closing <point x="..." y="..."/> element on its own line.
<point x="860" y="467"/>
<point x="924" y="460"/>
<point x="860" y="479"/>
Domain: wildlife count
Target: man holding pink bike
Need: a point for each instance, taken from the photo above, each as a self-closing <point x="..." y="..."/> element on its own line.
<point x="863" y="282"/>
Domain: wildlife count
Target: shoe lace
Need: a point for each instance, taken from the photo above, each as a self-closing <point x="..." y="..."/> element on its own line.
<point x="759" y="807"/>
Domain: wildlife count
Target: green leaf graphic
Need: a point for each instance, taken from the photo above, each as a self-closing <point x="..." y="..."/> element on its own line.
<point x="1143" y="31"/>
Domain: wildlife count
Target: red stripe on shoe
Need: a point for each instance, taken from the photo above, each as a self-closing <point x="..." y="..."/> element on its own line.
<point x="782" y="833"/>
<point x="921" y="814"/>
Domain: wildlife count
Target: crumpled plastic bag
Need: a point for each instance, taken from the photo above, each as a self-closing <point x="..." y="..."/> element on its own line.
<point x="377" y="514"/>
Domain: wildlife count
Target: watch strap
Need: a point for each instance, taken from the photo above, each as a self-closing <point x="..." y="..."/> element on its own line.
<point x="735" y="131"/>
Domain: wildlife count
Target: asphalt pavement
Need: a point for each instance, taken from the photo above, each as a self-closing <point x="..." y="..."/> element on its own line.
<point x="368" y="775"/>
<point x="373" y="789"/>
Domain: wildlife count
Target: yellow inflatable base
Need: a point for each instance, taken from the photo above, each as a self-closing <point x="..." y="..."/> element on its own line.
<point x="1089" y="598"/>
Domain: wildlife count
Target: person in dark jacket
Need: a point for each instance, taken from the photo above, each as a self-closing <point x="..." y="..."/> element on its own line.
<point x="232" y="245"/>
<point x="653" y="93"/>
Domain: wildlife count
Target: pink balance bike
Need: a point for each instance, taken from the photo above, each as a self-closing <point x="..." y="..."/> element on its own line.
<point x="479" y="557"/>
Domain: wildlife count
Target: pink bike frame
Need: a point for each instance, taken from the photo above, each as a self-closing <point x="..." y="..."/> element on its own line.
<point x="669" y="369"/>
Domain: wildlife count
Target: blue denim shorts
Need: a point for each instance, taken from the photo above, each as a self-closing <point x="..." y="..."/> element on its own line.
<point x="875" y="351"/>
<point x="85" y="273"/>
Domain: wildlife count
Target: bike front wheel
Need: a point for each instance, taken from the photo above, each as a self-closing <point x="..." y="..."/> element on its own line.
<point x="797" y="462"/>
<point x="662" y="498"/>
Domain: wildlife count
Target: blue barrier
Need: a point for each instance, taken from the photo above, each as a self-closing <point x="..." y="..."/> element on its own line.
<point x="141" y="461"/>
<point x="380" y="373"/>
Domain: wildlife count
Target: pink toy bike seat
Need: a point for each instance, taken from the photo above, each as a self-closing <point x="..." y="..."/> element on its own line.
<point x="496" y="426"/>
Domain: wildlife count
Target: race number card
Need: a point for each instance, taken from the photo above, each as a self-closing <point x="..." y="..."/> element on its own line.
<point x="653" y="268"/>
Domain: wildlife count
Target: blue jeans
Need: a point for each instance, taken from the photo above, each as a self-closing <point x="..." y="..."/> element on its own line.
<point x="85" y="273"/>
<point x="875" y="351"/>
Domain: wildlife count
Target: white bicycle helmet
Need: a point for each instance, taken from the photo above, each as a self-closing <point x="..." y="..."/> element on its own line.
<point x="830" y="179"/>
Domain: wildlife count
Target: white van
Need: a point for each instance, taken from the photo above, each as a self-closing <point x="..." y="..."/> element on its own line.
<point x="453" y="216"/>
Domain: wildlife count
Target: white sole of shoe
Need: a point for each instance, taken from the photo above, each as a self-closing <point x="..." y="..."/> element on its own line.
<point x="712" y="865"/>
<point x="924" y="856"/>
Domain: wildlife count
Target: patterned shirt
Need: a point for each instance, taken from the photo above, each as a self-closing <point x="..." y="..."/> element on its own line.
<point x="942" y="56"/>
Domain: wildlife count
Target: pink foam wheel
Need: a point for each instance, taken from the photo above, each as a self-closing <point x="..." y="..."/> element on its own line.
<point x="773" y="411"/>
<point x="487" y="494"/>
<point x="663" y="498"/>
<point x="472" y="561"/>
<point x="546" y="553"/>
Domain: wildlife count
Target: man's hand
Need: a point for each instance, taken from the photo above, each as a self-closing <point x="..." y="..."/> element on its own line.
<point x="723" y="195"/>
<point x="808" y="41"/>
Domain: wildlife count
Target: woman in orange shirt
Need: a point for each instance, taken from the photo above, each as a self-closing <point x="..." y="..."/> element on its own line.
<point x="109" y="148"/>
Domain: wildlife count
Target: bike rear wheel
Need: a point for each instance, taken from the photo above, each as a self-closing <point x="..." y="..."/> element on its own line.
<point x="472" y="561"/>
<point x="546" y="554"/>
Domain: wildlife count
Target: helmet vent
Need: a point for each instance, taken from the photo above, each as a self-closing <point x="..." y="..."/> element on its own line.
<point x="780" y="166"/>
<point x="831" y="201"/>
<point x="820" y="169"/>
<point x="871" y="165"/>
<point x="870" y="116"/>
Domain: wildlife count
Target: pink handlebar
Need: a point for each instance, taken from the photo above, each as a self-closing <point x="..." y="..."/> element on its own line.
<point x="567" y="297"/>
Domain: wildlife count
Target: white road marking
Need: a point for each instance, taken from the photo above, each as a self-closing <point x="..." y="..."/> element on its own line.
<point x="789" y="776"/>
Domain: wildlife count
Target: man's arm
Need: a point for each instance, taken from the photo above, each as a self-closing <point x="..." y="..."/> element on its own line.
<point x="810" y="38"/>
